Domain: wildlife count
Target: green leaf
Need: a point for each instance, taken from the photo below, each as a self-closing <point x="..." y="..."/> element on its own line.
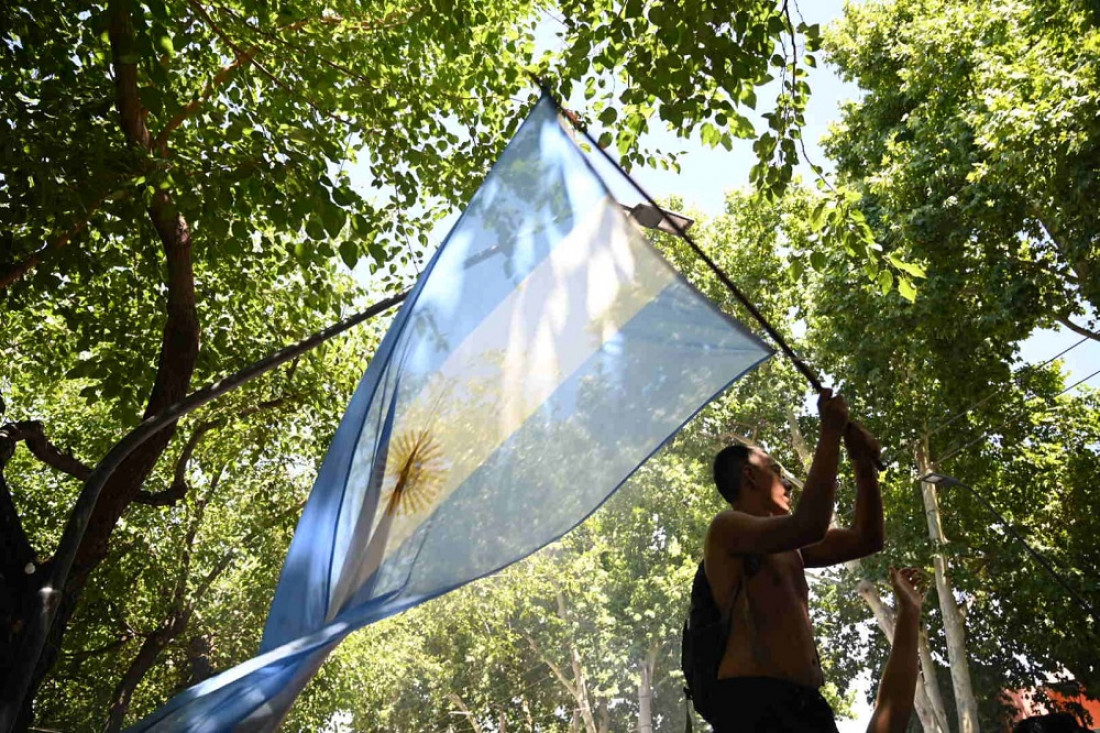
<point x="817" y="218"/>
<point x="911" y="269"/>
<point x="349" y="252"/>
<point x="818" y="261"/>
<point x="906" y="289"/>
<point x="885" y="281"/>
<point x="798" y="269"/>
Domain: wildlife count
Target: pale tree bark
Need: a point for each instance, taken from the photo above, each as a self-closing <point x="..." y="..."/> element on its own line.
<point x="527" y="716"/>
<point x="459" y="703"/>
<point x="603" y="716"/>
<point x="645" y="690"/>
<point x="580" y="682"/>
<point x="966" y="705"/>
<point x="574" y="681"/>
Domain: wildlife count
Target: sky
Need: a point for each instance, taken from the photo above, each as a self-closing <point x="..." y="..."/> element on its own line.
<point x="706" y="174"/>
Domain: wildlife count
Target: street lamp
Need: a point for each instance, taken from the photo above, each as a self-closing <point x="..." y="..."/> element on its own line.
<point x="943" y="481"/>
<point x="651" y="217"/>
<point x="940" y="480"/>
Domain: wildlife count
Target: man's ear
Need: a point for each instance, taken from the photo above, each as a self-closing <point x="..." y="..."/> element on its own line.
<point x="747" y="479"/>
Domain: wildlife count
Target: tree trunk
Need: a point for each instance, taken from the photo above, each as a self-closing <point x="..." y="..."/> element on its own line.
<point x="645" y="691"/>
<point x="966" y="706"/>
<point x="151" y="648"/>
<point x="580" y="684"/>
<point x="576" y="684"/>
<point x="475" y="726"/>
<point x="176" y="362"/>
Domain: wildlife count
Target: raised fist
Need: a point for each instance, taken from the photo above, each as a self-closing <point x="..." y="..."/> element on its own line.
<point x="860" y="443"/>
<point x="909" y="586"/>
<point x="833" y="410"/>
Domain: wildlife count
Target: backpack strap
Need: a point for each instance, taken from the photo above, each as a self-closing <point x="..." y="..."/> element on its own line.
<point x="750" y="564"/>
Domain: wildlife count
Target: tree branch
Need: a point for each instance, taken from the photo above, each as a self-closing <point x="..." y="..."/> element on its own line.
<point x="243" y="58"/>
<point x="230" y="556"/>
<point x="461" y="705"/>
<point x="33" y="436"/>
<point x="87" y="653"/>
<point x="554" y="668"/>
<point x="798" y="441"/>
<point x="179" y="487"/>
<point x="19" y="269"/>
<point x="260" y="67"/>
<point x="219" y="80"/>
<point x="16" y="551"/>
<point x="1081" y="330"/>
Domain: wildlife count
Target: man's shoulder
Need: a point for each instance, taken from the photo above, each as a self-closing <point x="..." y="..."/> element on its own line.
<point x="726" y="520"/>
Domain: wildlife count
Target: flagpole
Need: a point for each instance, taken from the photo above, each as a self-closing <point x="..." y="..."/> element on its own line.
<point x="810" y="375"/>
<point x="51" y="593"/>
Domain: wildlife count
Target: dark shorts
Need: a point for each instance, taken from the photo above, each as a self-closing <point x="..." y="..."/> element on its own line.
<point x="768" y="705"/>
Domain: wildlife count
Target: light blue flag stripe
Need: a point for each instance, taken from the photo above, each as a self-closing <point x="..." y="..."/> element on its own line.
<point x="544" y="354"/>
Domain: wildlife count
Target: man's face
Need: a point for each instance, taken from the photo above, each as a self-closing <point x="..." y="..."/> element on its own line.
<point x="766" y="477"/>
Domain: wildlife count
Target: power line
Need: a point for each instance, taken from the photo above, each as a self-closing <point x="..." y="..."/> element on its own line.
<point x="997" y="390"/>
<point x="985" y="434"/>
<point x="1039" y="557"/>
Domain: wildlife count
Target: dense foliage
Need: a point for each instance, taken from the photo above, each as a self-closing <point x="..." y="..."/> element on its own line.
<point x="176" y="203"/>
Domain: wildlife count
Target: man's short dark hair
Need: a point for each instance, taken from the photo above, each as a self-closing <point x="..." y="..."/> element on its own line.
<point x="727" y="470"/>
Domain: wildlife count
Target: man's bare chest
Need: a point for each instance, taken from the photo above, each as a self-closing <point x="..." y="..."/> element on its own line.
<point x="781" y="575"/>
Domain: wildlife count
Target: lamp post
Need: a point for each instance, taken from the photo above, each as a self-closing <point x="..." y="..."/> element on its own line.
<point x="943" y="481"/>
<point x="652" y="217"/>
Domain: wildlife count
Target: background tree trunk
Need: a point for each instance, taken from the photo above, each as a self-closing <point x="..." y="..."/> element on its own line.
<point x="966" y="706"/>
<point x="645" y="690"/>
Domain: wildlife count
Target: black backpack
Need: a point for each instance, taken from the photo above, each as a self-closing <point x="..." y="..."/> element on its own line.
<point x="706" y="631"/>
<point x="704" y="638"/>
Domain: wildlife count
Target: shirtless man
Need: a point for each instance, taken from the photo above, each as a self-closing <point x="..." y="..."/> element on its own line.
<point x="754" y="558"/>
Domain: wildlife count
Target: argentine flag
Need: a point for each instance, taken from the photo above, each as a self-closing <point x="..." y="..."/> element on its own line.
<point x="545" y="353"/>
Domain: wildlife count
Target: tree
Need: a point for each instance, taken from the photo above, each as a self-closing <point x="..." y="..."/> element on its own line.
<point x="973" y="149"/>
<point x="905" y="383"/>
<point x="175" y="199"/>
<point x="891" y="354"/>
<point x="976" y="145"/>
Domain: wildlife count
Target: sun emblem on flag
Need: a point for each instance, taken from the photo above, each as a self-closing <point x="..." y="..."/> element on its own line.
<point x="417" y="468"/>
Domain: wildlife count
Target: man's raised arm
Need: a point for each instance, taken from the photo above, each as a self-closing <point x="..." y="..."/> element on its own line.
<point x="744" y="531"/>
<point x="865" y="536"/>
